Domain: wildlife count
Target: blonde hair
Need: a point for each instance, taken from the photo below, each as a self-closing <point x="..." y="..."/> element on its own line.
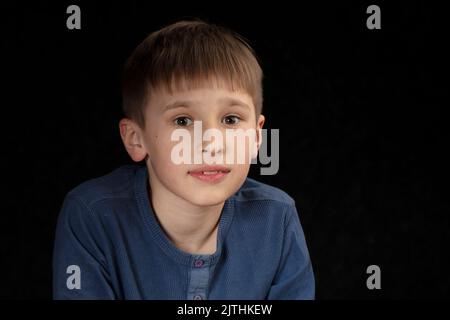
<point x="188" y="55"/>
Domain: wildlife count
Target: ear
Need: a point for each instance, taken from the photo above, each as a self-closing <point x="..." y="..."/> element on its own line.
<point x="257" y="145"/>
<point x="132" y="138"/>
<point x="259" y="126"/>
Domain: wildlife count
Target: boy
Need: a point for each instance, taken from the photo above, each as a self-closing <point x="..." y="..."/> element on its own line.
<point x="189" y="230"/>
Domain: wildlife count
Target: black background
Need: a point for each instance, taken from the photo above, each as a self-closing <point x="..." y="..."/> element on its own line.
<point x="361" y="113"/>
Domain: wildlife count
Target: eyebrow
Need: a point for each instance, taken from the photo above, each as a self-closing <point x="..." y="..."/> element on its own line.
<point x="179" y="104"/>
<point x="234" y="102"/>
<point x="189" y="103"/>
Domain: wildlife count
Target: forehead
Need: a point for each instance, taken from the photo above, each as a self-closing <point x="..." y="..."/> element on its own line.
<point x="163" y="100"/>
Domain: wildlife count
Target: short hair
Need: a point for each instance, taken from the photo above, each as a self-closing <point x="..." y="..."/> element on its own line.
<point x="188" y="55"/>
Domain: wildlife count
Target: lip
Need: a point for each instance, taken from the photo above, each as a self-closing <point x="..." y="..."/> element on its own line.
<point x="220" y="173"/>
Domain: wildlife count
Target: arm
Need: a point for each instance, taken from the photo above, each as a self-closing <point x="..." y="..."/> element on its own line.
<point x="79" y="270"/>
<point x="295" y="278"/>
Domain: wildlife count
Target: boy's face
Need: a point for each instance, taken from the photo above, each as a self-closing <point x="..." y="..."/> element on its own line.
<point x="216" y="108"/>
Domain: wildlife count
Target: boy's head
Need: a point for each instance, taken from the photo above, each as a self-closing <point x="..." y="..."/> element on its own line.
<point x="191" y="71"/>
<point x="188" y="55"/>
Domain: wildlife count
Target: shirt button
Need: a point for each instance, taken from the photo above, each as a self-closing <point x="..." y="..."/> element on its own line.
<point x="198" y="263"/>
<point x="198" y="297"/>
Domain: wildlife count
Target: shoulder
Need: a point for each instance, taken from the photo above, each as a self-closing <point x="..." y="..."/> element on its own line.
<point x="254" y="191"/>
<point x="117" y="184"/>
<point x="258" y="203"/>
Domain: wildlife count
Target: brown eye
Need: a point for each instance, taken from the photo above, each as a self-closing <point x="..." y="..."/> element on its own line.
<point x="231" y="120"/>
<point x="182" y="121"/>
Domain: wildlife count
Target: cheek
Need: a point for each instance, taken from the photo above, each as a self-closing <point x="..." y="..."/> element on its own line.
<point x="159" y="139"/>
<point x="242" y="147"/>
<point x="162" y="147"/>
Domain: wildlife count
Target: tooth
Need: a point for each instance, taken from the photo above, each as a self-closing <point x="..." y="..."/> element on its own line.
<point x="209" y="172"/>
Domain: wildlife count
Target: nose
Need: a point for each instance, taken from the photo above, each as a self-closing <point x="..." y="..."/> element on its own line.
<point x="212" y="139"/>
<point x="213" y="148"/>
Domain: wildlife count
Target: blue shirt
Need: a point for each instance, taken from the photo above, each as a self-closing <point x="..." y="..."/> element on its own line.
<point x="109" y="245"/>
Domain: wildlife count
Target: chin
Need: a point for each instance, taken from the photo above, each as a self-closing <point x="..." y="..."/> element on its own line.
<point x="207" y="199"/>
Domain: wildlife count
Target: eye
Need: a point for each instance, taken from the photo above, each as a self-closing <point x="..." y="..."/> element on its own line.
<point x="231" y="120"/>
<point x="182" y="121"/>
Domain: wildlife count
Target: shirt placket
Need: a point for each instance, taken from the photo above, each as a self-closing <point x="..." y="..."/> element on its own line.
<point x="199" y="279"/>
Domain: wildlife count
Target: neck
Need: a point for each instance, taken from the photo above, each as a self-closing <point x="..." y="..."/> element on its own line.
<point x="191" y="228"/>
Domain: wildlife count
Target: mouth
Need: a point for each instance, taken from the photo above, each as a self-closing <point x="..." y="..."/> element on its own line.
<point x="211" y="174"/>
